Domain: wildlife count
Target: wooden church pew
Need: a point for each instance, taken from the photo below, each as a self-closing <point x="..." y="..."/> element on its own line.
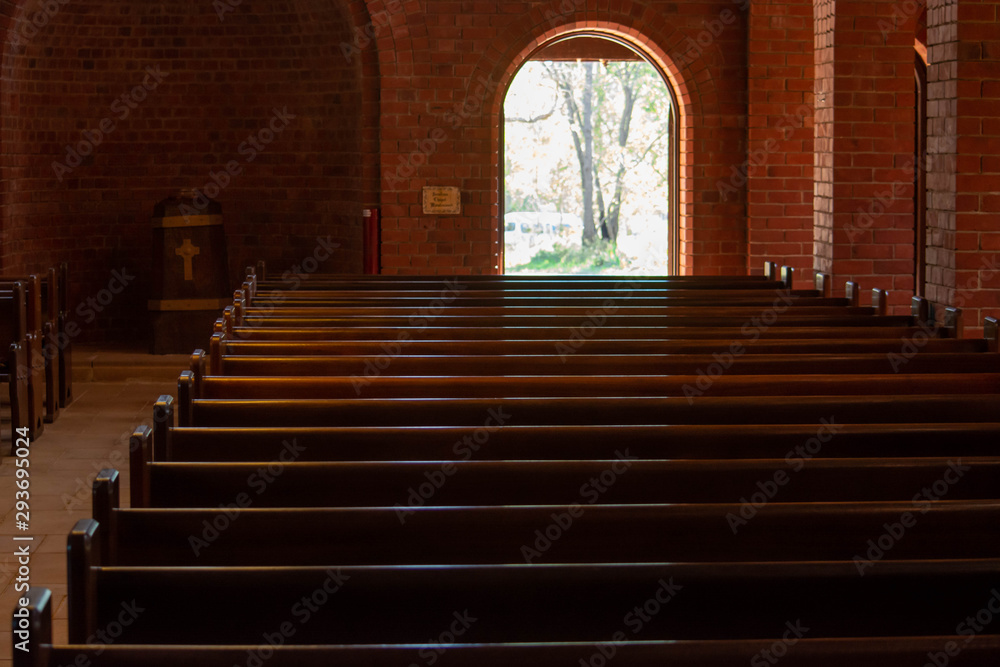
<point x="56" y="342"/>
<point x="13" y="341"/>
<point x="41" y="651"/>
<point x="522" y="602"/>
<point x="591" y="410"/>
<point x="546" y="299"/>
<point x="382" y="603"/>
<point x="35" y="324"/>
<point x="587" y="364"/>
<point x="483" y="386"/>
<point x="43" y="314"/>
<point x="47" y="319"/>
<point x="796" y="443"/>
<point x="559" y="333"/>
<point x="514" y="347"/>
<point x="626" y="480"/>
<point x="313" y="282"/>
<point x="65" y="340"/>
<point x="508" y="530"/>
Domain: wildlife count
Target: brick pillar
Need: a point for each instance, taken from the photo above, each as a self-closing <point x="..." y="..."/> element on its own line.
<point x="963" y="207"/>
<point x="864" y="169"/>
<point x="779" y="168"/>
<point x="942" y="144"/>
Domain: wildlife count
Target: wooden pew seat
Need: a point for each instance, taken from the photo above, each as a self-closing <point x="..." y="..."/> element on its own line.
<point x="487" y="386"/>
<point x="14" y="361"/>
<point x="525" y="603"/>
<point x="557" y="334"/>
<point x="590" y="411"/>
<point x="514" y="442"/>
<point x="506" y="532"/>
<point x="716" y="363"/>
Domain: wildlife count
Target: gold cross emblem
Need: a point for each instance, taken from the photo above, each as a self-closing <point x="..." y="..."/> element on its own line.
<point x="188" y="251"/>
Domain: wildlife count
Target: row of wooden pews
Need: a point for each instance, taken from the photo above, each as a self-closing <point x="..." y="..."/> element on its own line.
<point x="36" y="368"/>
<point x="566" y="471"/>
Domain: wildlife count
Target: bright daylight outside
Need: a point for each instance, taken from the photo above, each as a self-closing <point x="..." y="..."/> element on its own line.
<point x="587" y="169"/>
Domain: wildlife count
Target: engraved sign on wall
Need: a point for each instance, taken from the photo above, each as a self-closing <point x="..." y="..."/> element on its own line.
<point x="442" y="201"/>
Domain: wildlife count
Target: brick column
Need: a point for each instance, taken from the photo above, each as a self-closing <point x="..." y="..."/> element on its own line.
<point x="864" y="98"/>
<point x="942" y="144"/>
<point x="779" y="168"/>
<point x="963" y="204"/>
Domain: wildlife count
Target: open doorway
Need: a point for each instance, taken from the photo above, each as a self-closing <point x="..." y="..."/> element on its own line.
<point x="589" y="162"/>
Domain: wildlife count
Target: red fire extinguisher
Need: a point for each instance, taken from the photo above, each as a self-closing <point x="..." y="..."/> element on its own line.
<point x="372" y="227"/>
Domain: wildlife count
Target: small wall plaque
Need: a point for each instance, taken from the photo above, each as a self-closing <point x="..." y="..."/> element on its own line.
<point x="442" y="201"/>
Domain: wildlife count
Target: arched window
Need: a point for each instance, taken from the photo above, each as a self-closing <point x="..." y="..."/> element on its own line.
<point x="589" y="161"/>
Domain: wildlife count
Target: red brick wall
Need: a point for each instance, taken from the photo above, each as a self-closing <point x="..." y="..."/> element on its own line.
<point x="977" y="187"/>
<point x="779" y="166"/>
<point x="865" y="145"/>
<point x="445" y="67"/>
<point x="942" y="143"/>
<point x="964" y="146"/>
<point x="392" y="95"/>
<point x="222" y="75"/>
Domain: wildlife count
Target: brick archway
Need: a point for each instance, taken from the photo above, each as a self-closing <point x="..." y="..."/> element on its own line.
<point x="704" y="223"/>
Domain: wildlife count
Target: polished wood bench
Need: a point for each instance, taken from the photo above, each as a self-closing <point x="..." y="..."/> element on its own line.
<point x="550" y="299"/>
<point x="627" y="479"/>
<point x="41" y="651"/>
<point x="796" y="443"/>
<point x="15" y="372"/>
<point x="591" y="410"/>
<point x="713" y="364"/>
<point x="36" y="327"/>
<point x="737" y="318"/>
<point x="771" y="278"/>
<point x="225" y="526"/>
<point x="520" y="602"/>
<point x="192" y="385"/>
<point x="234" y="346"/>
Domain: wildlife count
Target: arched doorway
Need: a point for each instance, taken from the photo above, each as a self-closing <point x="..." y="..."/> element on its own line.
<point x="589" y="160"/>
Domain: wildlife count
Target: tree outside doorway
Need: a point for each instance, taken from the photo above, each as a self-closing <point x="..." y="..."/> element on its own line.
<point x="587" y="168"/>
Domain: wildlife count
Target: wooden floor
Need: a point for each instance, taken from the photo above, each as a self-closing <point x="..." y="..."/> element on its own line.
<point x="115" y="392"/>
